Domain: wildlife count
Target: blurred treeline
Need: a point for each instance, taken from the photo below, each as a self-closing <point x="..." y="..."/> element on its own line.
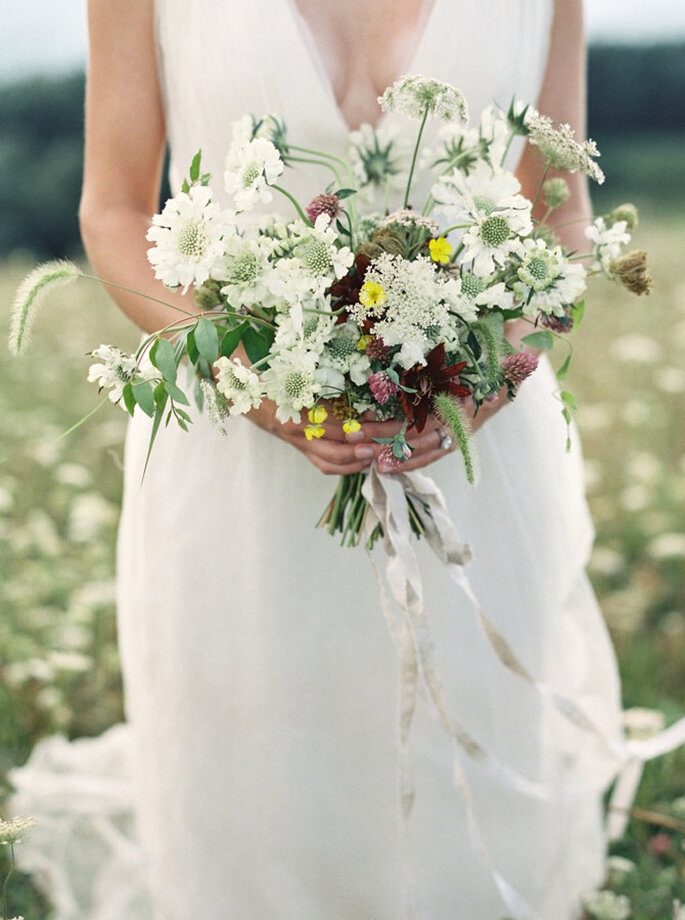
<point x="636" y="114"/>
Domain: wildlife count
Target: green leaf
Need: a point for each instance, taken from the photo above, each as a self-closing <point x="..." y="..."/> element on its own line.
<point x="207" y="339"/>
<point x="345" y="192"/>
<point x="159" y="412"/>
<point x="341" y="228"/>
<point x="163" y="358"/>
<point x="568" y="399"/>
<point x="563" y="370"/>
<point x="198" y="394"/>
<point x="129" y="398"/>
<point x="142" y="393"/>
<point x="195" y="167"/>
<point x="543" y="340"/>
<point x="257" y="344"/>
<point x="232" y="338"/>
<point x="160" y="394"/>
<point x="184" y="415"/>
<point x="578" y="312"/>
<point x="176" y="394"/>
<point x="193" y="353"/>
<point x="185" y="188"/>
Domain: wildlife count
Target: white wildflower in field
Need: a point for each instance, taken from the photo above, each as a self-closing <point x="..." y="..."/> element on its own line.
<point x="249" y="169"/>
<point x="188" y="238"/>
<point x="548" y="281"/>
<point x="557" y="144"/>
<point x="413" y="95"/>
<point x="239" y="385"/>
<point x="641" y="724"/>
<point x="667" y="546"/>
<point x="605" y="905"/>
<point x="14" y="830"/>
<point x="606" y="243"/>
<point x="642" y="349"/>
<point x="290" y="381"/>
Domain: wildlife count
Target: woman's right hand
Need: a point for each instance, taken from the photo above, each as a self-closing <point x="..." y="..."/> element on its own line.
<point x="340" y="453"/>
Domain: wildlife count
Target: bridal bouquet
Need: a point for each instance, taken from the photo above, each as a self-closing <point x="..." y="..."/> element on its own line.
<point x="383" y="315"/>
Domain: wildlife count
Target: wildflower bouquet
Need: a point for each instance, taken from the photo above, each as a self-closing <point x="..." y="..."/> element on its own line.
<point x="390" y="316"/>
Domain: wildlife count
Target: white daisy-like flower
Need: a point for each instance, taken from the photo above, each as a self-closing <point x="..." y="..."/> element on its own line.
<point x="606" y="243"/>
<point x="414" y="94"/>
<point x="470" y="294"/>
<point x="557" y="143"/>
<point x="493" y="239"/>
<point x="249" y="167"/>
<point x="114" y="370"/>
<point x="457" y="300"/>
<point x="188" y="237"/>
<point x="484" y="192"/>
<point x="378" y="157"/>
<point x="246" y="272"/>
<point x="318" y="251"/>
<point x="311" y="330"/>
<point x="341" y="354"/>
<point x="290" y="381"/>
<point x="411" y="310"/>
<point x="239" y="385"/>
<point x="547" y="281"/>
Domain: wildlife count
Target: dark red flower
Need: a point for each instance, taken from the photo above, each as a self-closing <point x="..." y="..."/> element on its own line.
<point x="345" y="291"/>
<point x="427" y="380"/>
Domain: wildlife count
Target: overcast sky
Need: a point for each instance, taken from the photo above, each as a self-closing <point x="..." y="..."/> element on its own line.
<point x="40" y="36"/>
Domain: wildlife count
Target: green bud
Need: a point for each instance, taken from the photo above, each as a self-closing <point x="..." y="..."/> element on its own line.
<point x="626" y="212"/>
<point x="556" y="192"/>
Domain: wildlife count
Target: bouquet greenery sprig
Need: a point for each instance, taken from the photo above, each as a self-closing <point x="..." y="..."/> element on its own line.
<point x="340" y="313"/>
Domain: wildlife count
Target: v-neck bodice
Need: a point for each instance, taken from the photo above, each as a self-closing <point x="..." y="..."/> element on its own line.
<point x="222" y="58"/>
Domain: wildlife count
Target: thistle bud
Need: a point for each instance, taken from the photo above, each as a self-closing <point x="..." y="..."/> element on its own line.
<point x="556" y="192"/>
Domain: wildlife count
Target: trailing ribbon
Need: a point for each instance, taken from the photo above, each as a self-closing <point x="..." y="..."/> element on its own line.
<point x="387" y="498"/>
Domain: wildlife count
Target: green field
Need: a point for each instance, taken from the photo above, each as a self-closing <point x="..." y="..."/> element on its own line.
<point x="59" y="504"/>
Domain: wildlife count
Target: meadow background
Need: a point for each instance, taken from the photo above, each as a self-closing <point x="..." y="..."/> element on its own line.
<point x="59" y="497"/>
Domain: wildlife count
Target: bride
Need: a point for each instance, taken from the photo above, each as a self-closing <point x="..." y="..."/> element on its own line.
<point x="260" y="678"/>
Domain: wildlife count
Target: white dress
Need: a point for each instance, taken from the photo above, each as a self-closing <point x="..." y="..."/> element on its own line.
<point x="260" y="677"/>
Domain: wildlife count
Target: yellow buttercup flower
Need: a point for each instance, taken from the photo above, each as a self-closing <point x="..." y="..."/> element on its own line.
<point x="317" y="415"/>
<point x="371" y="294"/>
<point x="314" y="431"/>
<point x="440" y="250"/>
<point x="351" y="425"/>
<point x="363" y="342"/>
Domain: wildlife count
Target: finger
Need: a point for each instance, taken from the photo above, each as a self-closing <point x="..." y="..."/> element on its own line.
<point x="416" y="463"/>
<point x="334" y="452"/>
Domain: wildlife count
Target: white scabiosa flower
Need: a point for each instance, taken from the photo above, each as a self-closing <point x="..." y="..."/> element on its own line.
<point x="246" y="272"/>
<point x="290" y="381"/>
<point x="413" y="95"/>
<point x="114" y="370"/>
<point x="378" y="157"/>
<point x="188" y="237"/>
<point x="318" y="251"/>
<point x="492" y="239"/>
<point x="248" y="170"/>
<point x="557" y="144"/>
<point x="341" y="353"/>
<point x="239" y="385"/>
<point x="482" y="193"/>
<point x="606" y="243"/>
<point x="311" y="332"/>
<point x="547" y="281"/>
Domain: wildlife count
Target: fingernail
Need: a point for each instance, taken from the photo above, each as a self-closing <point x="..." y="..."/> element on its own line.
<point x="364" y="452"/>
<point x="355" y="436"/>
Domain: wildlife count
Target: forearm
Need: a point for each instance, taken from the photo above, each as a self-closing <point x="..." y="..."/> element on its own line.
<point x="114" y="238"/>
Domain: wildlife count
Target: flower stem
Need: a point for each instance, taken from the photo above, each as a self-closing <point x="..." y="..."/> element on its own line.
<point x="302" y="215"/>
<point x="123" y="287"/>
<point x="413" y="159"/>
<point x="6" y="882"/>
<point x="512" y="135"/>
<point x="317" y="162"/>
<point x="542" y="182"/>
